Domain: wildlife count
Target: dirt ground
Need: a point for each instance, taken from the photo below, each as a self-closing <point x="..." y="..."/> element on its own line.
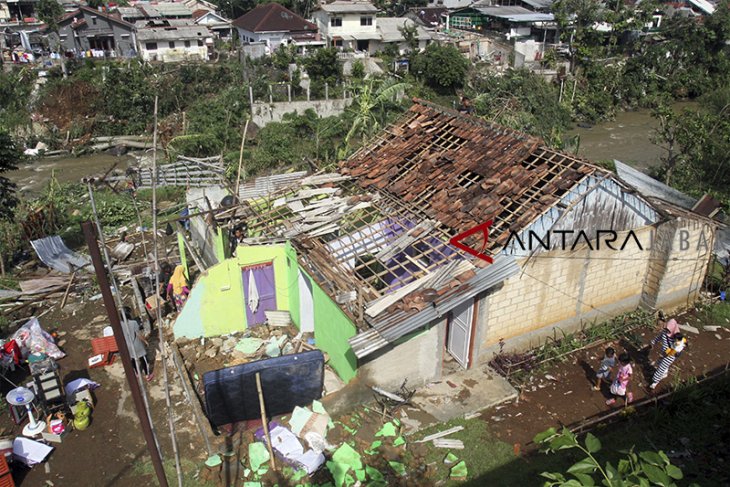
<point x="566" y="396"/>
<point x="112" y="450"/>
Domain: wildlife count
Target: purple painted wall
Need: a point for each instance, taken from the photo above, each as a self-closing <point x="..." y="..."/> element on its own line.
<point x="263" y="274"/>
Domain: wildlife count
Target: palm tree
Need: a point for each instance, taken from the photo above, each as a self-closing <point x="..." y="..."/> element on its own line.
<point x="370" y="105"/>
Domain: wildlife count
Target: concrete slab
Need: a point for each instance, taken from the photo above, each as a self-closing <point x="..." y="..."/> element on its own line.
<point x="464" y="393"/>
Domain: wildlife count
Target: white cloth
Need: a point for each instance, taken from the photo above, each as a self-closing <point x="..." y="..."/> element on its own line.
<point x="253" y="293"/>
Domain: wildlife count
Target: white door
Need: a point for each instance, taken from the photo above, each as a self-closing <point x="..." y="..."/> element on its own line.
<point x="459" y="338"/>
<point x="306" y="304"/>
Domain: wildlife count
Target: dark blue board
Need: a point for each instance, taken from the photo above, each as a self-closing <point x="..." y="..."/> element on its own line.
<point x="287" y="381"/>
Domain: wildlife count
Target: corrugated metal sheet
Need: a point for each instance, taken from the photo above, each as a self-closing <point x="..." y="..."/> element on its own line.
<point x="267" y="185"/>
<point x="54" y="253"/>
<point x="403" y="322"/>
<point x="649" y="186"/>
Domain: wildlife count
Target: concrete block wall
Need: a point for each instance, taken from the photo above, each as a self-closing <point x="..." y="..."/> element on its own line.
<point x="564" y="288"/>
<point x="686" y="264"/>
<point x="417" y="358"/>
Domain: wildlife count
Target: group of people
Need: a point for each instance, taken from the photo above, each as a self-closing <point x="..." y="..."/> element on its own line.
<point x="672" y="344"/>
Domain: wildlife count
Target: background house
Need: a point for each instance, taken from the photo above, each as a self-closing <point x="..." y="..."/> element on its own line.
<point x="89" y="32"/>
<point x="174" y="44"/>
<point x="275" y="25"/>
<point x="217" y="24"/>
<point x="432" y="18"/>
<point x="354" y="26"/>
<point x="349" y="25"/>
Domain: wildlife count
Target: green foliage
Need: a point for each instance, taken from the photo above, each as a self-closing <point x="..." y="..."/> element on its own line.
<point x="323" y="66"/>
<point x="10" y="155"/>
<point x="697" y="146"/>
<point x="317" y="140"/>
<point x="397" y="8"/>
<point x="443" y="68"/>
<point x="358" y="70"/>
<point x="521" y="100"/>
<point x="49" y="11"/>
<point x="642" y="469"/>
<point x="284" y="56"/>
<point x="15" y="88"/>
<point x="215" y="124"/>
<point x="373" y="101"/>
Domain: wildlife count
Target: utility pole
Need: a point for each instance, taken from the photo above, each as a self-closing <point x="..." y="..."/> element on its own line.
<point x="113" y="313"/>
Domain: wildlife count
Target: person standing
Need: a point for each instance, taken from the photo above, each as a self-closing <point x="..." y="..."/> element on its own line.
<point x="620" y="386"/>
<point x="136" y="344"/>
<point x="670" y="355"/>
<point x="178" y="288"/>
<point x="604" y="370"/>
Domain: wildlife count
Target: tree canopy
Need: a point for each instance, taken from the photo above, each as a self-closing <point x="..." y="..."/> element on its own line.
<point x="443" y="68"/>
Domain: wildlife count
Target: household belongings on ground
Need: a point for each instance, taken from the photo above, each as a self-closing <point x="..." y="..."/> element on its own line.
<point x="33" y="340"/>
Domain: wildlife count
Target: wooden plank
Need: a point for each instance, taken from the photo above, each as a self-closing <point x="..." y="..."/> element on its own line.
<point x="441" y="434"/>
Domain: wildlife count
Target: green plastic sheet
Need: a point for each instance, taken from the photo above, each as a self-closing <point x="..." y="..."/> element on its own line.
<point x="258" y="455"/>
<point x="388" y="429"/>
<point x="459" y="470"/>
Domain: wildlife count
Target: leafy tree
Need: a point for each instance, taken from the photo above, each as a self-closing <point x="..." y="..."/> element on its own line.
<point x="697" y="145"/>
<point x="521" y="100"/>
<point x="642" y="469"/>
<point x="371" y="104"/>
<point x="443" y="68"/>
<point x="10" y="155"/>
<point x="323" y="66"/>
<point x="16" y="87"/>
<point x="396" y="8"/>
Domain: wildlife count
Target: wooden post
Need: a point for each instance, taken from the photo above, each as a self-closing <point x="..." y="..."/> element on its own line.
<point x="307" y="93"/>
<point x="240" y="158"/>
<point x="250" y="96"/>
<point x="326" y="91"/>
<point x="271" y="95"/>
<point x="288" y="89"/>
<point x="265" y="420"/>
<point x="68" y="288"/>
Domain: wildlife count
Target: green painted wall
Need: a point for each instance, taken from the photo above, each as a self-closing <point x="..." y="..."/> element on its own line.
<point x="216" y="305"/>
<point x="218" y="294"/>
<point x="332" y="329"/>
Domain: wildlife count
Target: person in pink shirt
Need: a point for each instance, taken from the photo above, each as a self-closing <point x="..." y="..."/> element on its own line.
<point x="620" y="385"/>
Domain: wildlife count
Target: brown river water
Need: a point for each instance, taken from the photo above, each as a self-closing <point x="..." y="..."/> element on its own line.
<point x="626" y="138"/>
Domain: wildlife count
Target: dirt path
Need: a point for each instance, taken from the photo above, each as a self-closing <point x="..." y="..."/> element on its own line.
<point x="568" y="399"/>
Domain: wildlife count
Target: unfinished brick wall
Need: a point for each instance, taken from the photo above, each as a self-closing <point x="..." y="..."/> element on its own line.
<point x="564" y="289"/>
<point x="686" y="264"/>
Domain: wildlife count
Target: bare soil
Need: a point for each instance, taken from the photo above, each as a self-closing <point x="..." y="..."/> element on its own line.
<point x="569" y="398"/>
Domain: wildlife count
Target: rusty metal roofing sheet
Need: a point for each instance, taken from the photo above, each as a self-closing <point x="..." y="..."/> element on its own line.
<point x="399" y="324"/>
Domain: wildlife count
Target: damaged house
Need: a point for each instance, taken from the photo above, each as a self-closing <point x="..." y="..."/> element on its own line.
<point x="441" y="239"/>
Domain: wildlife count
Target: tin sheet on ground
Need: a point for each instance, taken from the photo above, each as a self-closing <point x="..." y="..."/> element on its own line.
<point x="54" y="253"/>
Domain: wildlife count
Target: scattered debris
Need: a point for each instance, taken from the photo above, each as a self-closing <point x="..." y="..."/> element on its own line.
<point x="689" y="329"/>
<point x="446" y="443"/>
<point x="441" y="434"/>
